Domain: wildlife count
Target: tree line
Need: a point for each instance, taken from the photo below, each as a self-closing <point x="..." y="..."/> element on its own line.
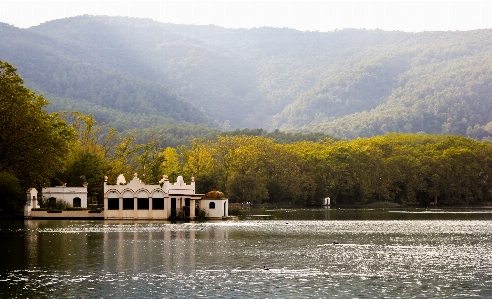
<point x="403" y="169"/>
<point x="406" y="169"/>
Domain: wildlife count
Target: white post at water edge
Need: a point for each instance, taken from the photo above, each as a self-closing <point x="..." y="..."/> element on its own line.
<point x="326" y="201"/>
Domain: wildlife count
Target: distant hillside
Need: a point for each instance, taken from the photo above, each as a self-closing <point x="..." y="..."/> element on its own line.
<point x="73" y="78"/>
<point x="349" y="83"/>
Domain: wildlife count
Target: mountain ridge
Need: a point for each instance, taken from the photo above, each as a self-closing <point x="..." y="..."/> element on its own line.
<point x="347" y="83"/>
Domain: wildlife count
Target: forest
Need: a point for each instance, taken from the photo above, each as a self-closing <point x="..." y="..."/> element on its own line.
<point x="132" y="73"/>
<point x="395" y="168"/>
<point x="38" y="148"/>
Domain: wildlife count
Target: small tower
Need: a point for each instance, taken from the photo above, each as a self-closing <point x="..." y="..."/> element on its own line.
<point x="215" y="204"/>
<point x="31" y="202"/>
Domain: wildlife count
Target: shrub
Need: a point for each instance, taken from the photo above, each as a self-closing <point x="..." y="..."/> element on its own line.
<point x="12" y="199"/>
<point x="200" y="214"/>
<point x="236" y="211"/>
<point x="96" y="209"/>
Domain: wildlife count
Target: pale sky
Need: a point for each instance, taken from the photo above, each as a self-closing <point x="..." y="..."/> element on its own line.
<point x="410" y="16"/>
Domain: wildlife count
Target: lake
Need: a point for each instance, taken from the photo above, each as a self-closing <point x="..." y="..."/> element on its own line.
<point x="382" y="253"/>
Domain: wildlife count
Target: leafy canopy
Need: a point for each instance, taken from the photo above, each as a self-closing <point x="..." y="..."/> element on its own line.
<point x="33" y="144"/>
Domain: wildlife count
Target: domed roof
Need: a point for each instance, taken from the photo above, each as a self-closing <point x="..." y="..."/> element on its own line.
<point x="214" y="194"/>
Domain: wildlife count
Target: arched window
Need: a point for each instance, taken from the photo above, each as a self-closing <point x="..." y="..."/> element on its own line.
<point x="77" y="202"/>
<point x="211" y="205"/>
<point x="128" y="204"/>
<point x="142" y="203"/>
<point x="51" y="202"/>
<point x="113" y="203"/>
<point x="157" y="203"/>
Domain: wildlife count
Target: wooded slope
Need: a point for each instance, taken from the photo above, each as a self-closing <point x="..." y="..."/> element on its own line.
<point x="349" y="83"/>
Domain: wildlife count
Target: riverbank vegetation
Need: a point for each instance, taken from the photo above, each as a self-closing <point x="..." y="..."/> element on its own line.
<point x="34" y="144"/>
<point x="408" y="169"/>
<point x="403" y="169"/>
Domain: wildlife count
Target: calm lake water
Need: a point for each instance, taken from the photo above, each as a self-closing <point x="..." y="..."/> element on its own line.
<point x="382" y="253"/>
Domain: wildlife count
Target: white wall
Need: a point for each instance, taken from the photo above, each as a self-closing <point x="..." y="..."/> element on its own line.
<point x="66" y="194"/>
<point x="180" y="191"/>
<point x="219" y="211"/>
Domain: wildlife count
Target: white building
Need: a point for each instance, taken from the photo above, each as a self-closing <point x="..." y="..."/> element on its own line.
<point x="73" y="196"/>
<point x="31" y="202"/>
<point x="136" y="200"/>
<point x="215" y="205"/>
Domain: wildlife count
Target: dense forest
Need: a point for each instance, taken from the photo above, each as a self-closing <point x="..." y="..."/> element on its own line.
<point x="140" y="74"/>
<point x="405" y="169"/>
<point x="402" y="169"/>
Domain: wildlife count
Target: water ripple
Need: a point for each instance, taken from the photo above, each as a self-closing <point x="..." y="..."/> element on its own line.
<point x="374" y="259"/>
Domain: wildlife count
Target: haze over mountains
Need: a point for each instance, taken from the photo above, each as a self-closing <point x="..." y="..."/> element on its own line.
<point x="138" y="73"/>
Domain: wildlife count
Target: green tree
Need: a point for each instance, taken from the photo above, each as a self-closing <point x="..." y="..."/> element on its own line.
<point x="150" y="161"/>
<point x="86" y="163"/>
<point x="13" y="199"/>
<point x="170" y="165"/>
<point x="34" y="145"/>
<point x="248" y="175"/>
<point x="119" y="157"/>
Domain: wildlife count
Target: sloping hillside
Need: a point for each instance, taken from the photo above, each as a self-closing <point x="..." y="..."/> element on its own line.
<point x="72" y="78"/>
<point x="349" y="83"/>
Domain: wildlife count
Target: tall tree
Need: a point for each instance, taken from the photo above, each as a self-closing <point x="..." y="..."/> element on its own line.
<point x="34" y="145"/>
<point x="170" y="164"/>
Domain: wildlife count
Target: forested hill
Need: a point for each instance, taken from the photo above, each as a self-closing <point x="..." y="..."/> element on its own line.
<point x="78" y="76"/>
<point x="347" y="83"/>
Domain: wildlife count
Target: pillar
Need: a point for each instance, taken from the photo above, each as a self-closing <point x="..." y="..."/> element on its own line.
<point x="150" y="207"/>
<point x="105" y="206"/>
<point x="192" y="208"/>
<point x="120" y="205"/>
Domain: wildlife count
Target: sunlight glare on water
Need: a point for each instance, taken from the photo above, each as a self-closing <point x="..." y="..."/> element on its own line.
<point x="374" y="259"/>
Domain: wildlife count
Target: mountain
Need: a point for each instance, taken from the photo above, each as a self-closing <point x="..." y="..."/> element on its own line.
<point x="74" y="77"/>
<point x="138" y="73"/>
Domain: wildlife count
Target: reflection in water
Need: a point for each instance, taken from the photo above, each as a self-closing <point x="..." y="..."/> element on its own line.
<point x="375" y="258"/>
<point x="143" y="247"/>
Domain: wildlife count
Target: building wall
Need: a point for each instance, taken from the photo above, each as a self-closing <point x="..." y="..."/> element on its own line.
<point x="221" y="207"/>
<point x="66" y="194"/>
<point x="136" y="190"/>
<point x="84" y="214"/>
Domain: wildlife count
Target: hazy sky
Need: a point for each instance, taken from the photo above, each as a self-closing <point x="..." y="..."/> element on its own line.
<point x="300" y="15"/>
